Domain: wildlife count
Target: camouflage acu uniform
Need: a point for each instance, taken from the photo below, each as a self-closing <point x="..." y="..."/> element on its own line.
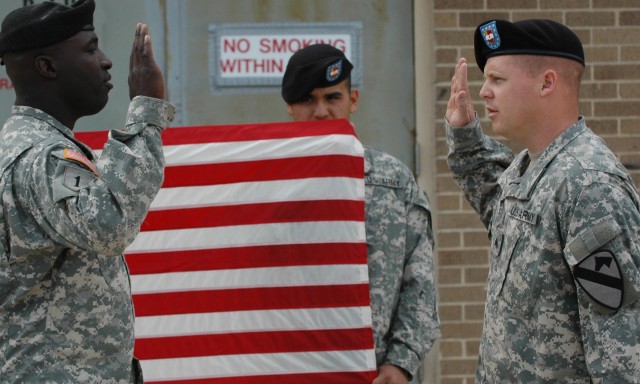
<point x="65" y="300"/>
<point x="562" y="303"/>
<point x="400" y="251"/>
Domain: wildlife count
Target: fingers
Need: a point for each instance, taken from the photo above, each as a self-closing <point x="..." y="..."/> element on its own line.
<point x="465" y="104"/>
<point x="140" y="43"/>
<point x="145" y="76"/>
<point x="143" y="36"/>
<point x="148" y="50"/>
<point x="459" y="82"/>
<point x="460" y="106"/>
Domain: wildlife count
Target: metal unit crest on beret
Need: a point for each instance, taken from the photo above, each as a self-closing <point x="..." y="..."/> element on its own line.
<point x="334" y="71"/>
<point x="490" y="35"/>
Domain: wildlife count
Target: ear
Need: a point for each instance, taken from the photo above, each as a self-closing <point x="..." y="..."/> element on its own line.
<point x="549" y="82"/>
<point x="354" y="96"/>
<point x="290" y="110"/>
<point x="45" y="66"/>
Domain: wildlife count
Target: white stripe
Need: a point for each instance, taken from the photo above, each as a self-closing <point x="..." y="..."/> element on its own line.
<point x="249" y="235"/>
<point x="296" y="276"/>
<point x="258" y="364"/>
<point x="329" y="188"/>
<point x="252" y="321"/>
<point x="211" y="153"/>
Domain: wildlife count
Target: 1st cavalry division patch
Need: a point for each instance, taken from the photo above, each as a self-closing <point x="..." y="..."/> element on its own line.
<point x="601" y="278"/>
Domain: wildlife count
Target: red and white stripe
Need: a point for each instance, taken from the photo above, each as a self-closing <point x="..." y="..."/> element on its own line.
<point x="251" y="264"/>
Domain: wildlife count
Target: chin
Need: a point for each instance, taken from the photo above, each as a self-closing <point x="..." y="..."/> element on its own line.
<point x="497" y="130"/>
<point x="97" y="108"/>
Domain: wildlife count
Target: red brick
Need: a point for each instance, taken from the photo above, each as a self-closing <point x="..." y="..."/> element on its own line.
<point x="512" y="4"/>
<point x="474" y="312"/>
<point x="463" y="294"/>
<point x="450" y="313"/>
<point x="458" y="367"/>
<point x="476" y="275"/>
<point x="590" y="19"/>
<point x="451" y="349"/>
<point x="449" y="276"/>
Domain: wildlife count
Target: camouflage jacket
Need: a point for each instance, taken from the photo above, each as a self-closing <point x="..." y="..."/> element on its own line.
<point x="66" y="314"/>
<point x="400" y="251"/>
<point x="562" y="301"/>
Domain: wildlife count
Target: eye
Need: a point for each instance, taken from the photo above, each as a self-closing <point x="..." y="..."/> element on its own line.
<point x="494" y="79"/>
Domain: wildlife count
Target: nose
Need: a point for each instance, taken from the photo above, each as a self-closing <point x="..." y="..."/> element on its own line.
<point x="321" y="111"/>
<point x="484" y="91"/>
<point x="105" y="61"/>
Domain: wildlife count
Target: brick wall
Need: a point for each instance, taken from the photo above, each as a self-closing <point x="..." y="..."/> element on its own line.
<point x="610" y="32"/>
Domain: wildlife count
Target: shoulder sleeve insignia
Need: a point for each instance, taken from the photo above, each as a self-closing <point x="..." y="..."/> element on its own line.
<point x="600" y="277"/>
<point x="78" y="157"/>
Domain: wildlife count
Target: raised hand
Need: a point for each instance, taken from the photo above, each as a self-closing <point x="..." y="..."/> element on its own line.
<point x="460" y="106"/>
<point x="145" y="77"/>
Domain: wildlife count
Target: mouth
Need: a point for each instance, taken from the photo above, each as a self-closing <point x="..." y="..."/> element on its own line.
<point x="491" y="112"/>
<point x="107" y="82"/>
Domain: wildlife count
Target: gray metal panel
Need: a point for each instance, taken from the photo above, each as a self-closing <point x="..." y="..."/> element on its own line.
<point x="386" y="115"/>
<point x="179" y="28"/>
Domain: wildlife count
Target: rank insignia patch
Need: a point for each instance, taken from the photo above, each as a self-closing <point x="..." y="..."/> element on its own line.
<point x="334" y="71"/>
<point x="76" y="178"/>
<point x="490" y="35"/>
<point x="76" y="156"/>
<point x="601" y="278"/>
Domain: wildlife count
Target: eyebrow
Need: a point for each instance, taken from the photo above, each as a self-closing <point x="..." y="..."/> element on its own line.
<point x="92" y="41"/>
<point x="332" y="94"/>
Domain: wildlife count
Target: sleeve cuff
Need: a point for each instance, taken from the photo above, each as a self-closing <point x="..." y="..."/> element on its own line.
<point x="403" y="357"/>
<point x="460" y="138"/>
<point x="148" y="110"/>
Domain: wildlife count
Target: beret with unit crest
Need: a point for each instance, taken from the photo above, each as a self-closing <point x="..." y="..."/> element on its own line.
<point x="526" y="37"/>
<point x="315" y="66"/>
<point x="44" y="24"/>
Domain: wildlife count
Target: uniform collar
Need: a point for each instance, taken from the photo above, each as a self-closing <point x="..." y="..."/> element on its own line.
<point x="521" y="186"/>
<point x="51" y="121"/>
<point x="367" y="160"/>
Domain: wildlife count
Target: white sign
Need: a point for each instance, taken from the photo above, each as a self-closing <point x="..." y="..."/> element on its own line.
<point x="251" y="56"/>
<point x="254" y="56"/>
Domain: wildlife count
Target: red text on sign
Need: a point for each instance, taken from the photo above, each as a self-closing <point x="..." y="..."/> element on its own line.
<point x="5" y="83"/>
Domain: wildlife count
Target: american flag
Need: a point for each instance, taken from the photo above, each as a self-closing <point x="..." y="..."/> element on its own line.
<point x="251" y="265"/>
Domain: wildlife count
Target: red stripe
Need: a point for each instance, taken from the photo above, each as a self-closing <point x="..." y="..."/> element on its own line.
<point x="95" y="139"/>
<point x="174" y="303"/>
<point x="230" y="133"/>
<point x="264" y="170"/>
<point x="250" y="132"/>
<point x="248" y="214"/>
<point x="294" y="378"/>
<point x="253" y="257"/>
<point x="254" y="342"/>
<point x="247" y="257"/>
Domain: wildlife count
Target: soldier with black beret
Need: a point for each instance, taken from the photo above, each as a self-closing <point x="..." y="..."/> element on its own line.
<point x="563" y="215"/>
<point x="44" y="24"/>
<point x="66" y="215"/>
<point x="317" y="86"/>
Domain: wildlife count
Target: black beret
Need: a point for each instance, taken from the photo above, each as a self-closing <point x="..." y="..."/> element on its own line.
<point x="315" y="66"/>
<point x="44" y="24"/>
<point x="526" y="37"/>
